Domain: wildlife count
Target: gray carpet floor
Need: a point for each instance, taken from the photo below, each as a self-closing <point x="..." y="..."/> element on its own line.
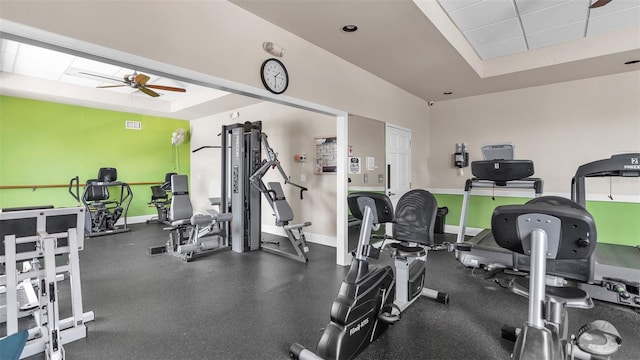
<point x="255" y="305"/>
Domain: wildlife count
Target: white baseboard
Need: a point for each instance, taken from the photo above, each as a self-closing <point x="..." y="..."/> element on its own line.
<point x="453" y="229"/>
<point x="141" y="219"/>
<point x="311" y="237"/>
<point x="522" y="193"/>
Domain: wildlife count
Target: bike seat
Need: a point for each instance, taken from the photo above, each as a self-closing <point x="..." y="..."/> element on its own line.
<point x="400" y="250"/>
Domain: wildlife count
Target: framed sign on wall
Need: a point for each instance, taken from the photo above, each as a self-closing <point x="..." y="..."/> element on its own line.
<point x="326" y="155"/>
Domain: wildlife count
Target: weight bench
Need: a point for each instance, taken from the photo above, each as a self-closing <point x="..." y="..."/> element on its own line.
<point x="284" y="215"/>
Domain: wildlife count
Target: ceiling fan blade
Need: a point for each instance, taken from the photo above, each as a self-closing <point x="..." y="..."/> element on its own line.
<point x="109" y="86"/>
<point x="168" y="88"/>
<point x="101" y="76"/>
<point x="147" y="91"/>
<point x="599" y="3"/>
<point x="141" y="79"/>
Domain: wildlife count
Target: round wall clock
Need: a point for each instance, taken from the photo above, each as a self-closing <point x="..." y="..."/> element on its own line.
<point x="274" y="76"/>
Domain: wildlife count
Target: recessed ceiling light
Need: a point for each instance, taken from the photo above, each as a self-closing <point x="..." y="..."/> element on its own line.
<point x="632" y="62"/>
<point x="349" y="28"/>
<point x="448" y="93"/>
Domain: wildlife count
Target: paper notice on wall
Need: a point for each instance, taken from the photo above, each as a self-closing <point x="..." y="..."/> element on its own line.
<point x="371" y="163"/>
<point x="354" y="165"/>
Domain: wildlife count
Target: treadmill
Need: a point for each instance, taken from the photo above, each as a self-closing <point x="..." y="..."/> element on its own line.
<point x="498" y="172"/>
<point x="617" y="267"/>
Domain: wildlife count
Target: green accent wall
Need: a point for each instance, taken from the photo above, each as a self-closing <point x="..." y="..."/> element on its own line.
<point x="44" y="143"/>
<point x="616" y="222"/>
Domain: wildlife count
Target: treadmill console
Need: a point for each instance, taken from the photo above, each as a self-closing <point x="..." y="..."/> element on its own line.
<point x="501" y="171"/>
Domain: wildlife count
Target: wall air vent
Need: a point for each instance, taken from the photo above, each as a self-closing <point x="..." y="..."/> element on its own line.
<point x="133" y="125"/>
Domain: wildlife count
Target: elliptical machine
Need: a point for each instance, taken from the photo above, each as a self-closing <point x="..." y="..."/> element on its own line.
<point x="102" y="209"/>
<point x="370" y="299"/>
<point x="558" y="235"/>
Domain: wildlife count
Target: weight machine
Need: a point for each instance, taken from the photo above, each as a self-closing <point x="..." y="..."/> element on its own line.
<point x="242" y="172"/>
<point x="33" y="240"/>
<point x="191" y="235"/>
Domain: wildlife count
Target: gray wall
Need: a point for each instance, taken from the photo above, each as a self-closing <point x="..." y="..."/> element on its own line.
<point x="366" y="136"/>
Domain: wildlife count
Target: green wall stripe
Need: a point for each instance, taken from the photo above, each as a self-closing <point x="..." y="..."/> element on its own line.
<point x="616" y="222"/>
<point x="49" y="143"/>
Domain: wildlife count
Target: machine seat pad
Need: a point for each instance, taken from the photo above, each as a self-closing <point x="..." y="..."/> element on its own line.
<point x="400" y="250"/>
<point x="181" y="222"/>
<point x="572" y="296"/>
<point x="297" y="226"/>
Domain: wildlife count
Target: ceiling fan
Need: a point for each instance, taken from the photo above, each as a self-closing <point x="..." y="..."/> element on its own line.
<point x="599" y="3"/>
<point x="137" y="81"/>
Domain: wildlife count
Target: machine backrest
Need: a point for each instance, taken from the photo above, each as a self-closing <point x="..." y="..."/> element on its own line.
<point x="107" y="174"/>
<point x="180" y="204"/>
<point x="415" y="217"/>
<point x="576" y="236"/>
<point x="383" y="209"/>
<point x="95" y="192"/>
<point x="158" y="193"/>
<point x="167" y="181"/>
<point x="281" y="207"/>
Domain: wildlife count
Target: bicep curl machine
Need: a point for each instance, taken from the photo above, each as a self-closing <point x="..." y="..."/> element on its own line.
<point x="557" y="235"/>
<point x="372" y="298"/>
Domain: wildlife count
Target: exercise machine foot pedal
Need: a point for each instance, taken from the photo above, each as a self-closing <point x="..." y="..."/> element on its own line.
<point x="509" y="333"/>
<point x="599" y="338"/>
<point x="387" y="315"/>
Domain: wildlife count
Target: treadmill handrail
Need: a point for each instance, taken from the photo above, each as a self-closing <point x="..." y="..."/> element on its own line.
<point x="535" y="184"/>
<point x="617" y="165"/>
<point x="527" y="183"/>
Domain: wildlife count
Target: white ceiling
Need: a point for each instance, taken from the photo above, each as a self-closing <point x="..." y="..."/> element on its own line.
<point x="413" y="44"/>
<point x="498" y="28"/>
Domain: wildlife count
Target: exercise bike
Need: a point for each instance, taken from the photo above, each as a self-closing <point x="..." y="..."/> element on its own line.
<point x="160" y="200"/>
<point x="370" y="299"/>
<point x="559" y="236"/>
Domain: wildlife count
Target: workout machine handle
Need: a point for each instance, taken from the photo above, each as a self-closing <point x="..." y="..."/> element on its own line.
<point x="302" y="188"/>
<point x="77" y="193"/>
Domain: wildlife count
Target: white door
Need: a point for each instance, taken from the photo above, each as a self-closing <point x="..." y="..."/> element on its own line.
<point x="398" y="155"/>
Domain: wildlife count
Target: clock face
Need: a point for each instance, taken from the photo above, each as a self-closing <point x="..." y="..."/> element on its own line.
<point x="274" y="76"/>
